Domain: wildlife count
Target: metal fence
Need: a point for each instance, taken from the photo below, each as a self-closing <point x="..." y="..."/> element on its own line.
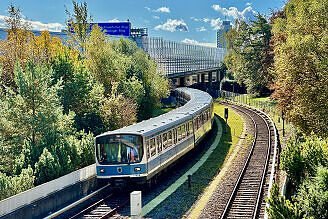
<point x="174" y="57"/>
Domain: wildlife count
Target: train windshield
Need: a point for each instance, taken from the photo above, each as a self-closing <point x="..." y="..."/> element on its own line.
<point x="114" y="149"/>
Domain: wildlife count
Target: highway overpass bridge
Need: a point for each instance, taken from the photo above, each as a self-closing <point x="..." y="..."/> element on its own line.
<point x="185" y="64"/>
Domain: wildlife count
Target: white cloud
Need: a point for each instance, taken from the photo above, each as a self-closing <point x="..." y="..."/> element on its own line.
<point x="163" y="10"/>
<point x="195" y="19"/>
<point x="233" y="12"/>
<point x="173" y="25"/>
<point x="195" y="42"/>
<point x="115" y="20"/>
<point x="216" y="23"/>
<point x="201" y="29"/>
<point x="147" y="8"/>
<point x="248" y="4"/>
<point x="155" y="17"/>
<point x="205" y="20"/>
<point x="37" y="25"/>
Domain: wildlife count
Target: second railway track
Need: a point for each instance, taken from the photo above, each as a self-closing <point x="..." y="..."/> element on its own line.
<point x="250" y="191"/>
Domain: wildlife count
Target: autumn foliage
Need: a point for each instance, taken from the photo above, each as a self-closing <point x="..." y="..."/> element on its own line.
<point x="56" y="96"/>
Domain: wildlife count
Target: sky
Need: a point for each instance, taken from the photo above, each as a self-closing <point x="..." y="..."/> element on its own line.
<point x="190" y="21"/>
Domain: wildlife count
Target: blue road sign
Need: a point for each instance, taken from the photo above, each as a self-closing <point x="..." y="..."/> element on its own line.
<point x="119" y="28"/>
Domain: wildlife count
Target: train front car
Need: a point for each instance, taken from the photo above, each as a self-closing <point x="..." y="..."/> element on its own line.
<point x="140" y="152"/>
<point x="119" y="158"/>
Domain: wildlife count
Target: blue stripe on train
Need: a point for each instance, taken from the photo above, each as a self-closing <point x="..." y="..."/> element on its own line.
<point x="113" y="170"/>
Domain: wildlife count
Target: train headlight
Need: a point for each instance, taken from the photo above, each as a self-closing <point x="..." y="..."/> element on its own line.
<point x="137" y="169"/>
<point x="102" y="170"/>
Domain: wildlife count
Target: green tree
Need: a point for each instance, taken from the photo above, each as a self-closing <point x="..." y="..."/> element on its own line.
<point x="11" y="185"/>
<point x="118" y="111"/>
<point x="14" y="48"/>
<point x="301" y="65"/>
<point x="81" y="93"/>
<point x="250" y="54"/>
<point x="78" y="25"/>
<point x="313" y="195"/>
<point x="292" y="161"/>
<point x="122" y="62"/>
<point x="46" y="168"/>
<point x="29" y="114"/>
<point x="301" y="159"/>
<point x="279" y="207"/>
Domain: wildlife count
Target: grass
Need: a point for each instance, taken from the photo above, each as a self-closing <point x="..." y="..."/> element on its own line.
<point x="234" y="121"/>
<point x="183" y="198"/>
<point x="269" y="107"/>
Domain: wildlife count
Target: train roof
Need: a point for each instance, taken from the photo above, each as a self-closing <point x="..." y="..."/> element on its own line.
<point x="198" y="101"/>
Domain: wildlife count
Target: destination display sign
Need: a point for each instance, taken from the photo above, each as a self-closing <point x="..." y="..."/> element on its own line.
<point x="117" y="28"/>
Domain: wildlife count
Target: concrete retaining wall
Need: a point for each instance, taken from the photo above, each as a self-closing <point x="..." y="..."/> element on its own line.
<point x="48" y="197"/>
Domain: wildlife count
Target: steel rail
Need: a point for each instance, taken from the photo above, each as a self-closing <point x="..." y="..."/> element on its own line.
<point x="61" y="211"/>
<point x="233" y="194"/>
<point x="112" y="212"/>
<point x="241" y="173"/>
<point x="91" y="206"/>
<point x="267" y="159"/>
<point x="272" y="172"/>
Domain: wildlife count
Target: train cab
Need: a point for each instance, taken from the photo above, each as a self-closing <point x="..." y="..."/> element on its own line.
<point x="120" y="156"/>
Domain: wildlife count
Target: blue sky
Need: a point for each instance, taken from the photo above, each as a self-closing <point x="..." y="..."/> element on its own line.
<point x="193" y="21"/>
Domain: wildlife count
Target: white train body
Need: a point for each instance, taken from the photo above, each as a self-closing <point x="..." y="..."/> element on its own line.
<point x="140" y="151"/>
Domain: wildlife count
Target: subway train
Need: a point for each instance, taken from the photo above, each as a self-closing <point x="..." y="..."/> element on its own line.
<point x="138" y="152"/>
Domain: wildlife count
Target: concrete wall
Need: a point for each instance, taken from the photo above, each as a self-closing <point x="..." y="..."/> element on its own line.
<point x="49" y="197"/>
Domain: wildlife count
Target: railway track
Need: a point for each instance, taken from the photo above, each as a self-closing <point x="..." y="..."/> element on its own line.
<point x="247" y="199"/>
<point x="96" y="205"/>
<point x="104" y="208"/>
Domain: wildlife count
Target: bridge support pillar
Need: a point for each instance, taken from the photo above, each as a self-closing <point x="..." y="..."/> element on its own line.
<point x="218" y="78"/>
<point x="203" y="81"/>
<point x="181" y="81"/>
<point x="198" y="78"/>
<point x="210" y="79"/>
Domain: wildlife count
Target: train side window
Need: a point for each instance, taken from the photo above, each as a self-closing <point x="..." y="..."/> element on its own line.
<point x="170" y="139"/>
<point x="159" y="143"/>
<point x="195" y="124"/>
<point x="183" y="130"/>
<point x="152" y="147"/>
<point x="148" y="149"/>
<point x="165" y="142"/>
<point x="188" y="128"/>
<point x="179" y="133"/>
<point x="174" y="136"/>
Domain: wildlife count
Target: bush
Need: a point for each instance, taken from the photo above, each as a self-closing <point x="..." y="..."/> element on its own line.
<point x="11" y="185"/>
<point x="313" y="195"/>
<point x="279" y="207"/>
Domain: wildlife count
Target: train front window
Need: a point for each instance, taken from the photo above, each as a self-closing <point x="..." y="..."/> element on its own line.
<point x="114" y="149"/>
